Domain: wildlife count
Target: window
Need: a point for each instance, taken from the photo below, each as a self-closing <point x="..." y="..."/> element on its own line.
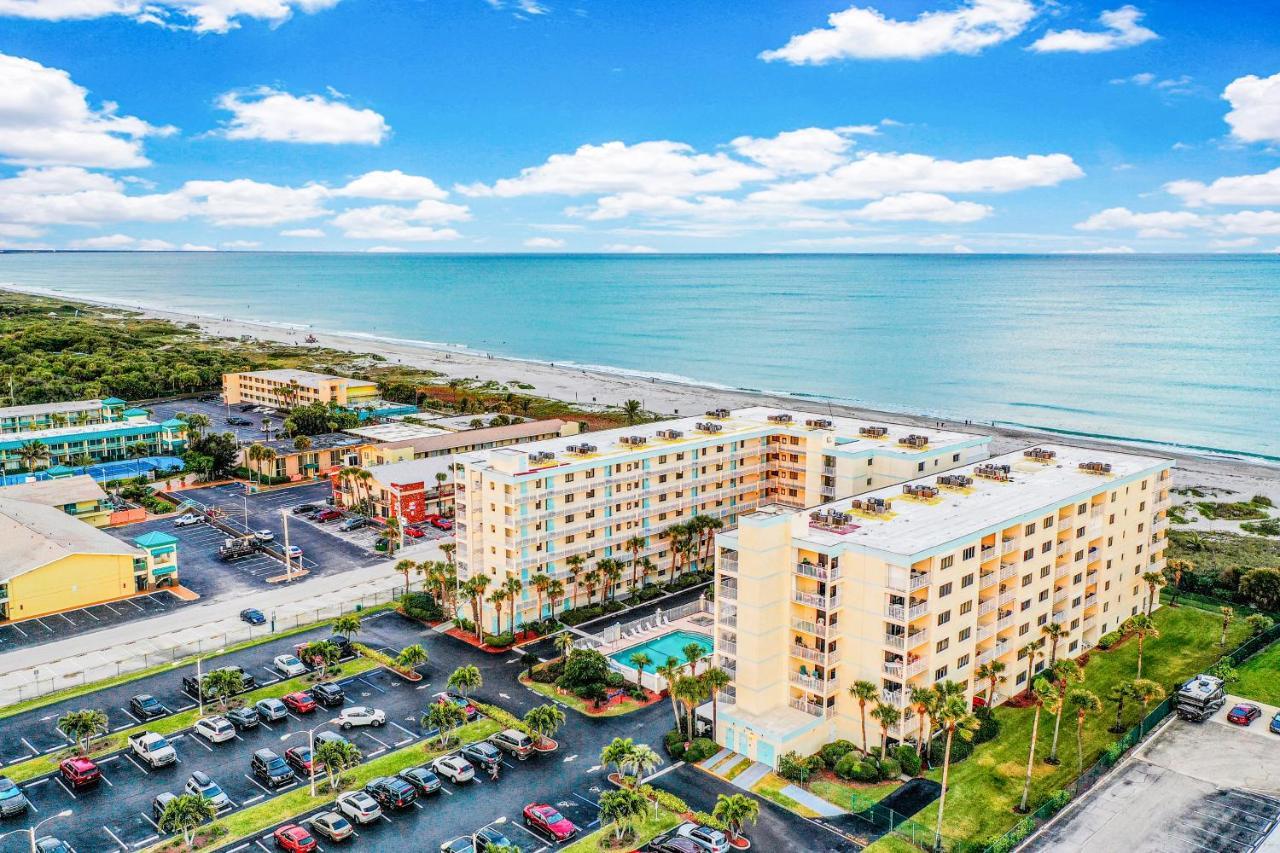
<point x="1029" y="529"/>
<point x="944" y="590"/>
<point x="1046" y="547"/>
<point x="1043" y="618"/>
<point x="967" y="580"/>
<point x="1023" y="629"/>
<point x="1044" y="571"/>
<point x="920" y="466"/>
<point x="963" y="662"/>
<point x="944" y="617"/>
<point x="1048" y="521"/>
<point x="1044" y="595"/>
<point x="1026" y="605"/>
<point x="1026" y="580"/>
<point x="968" y="553"/>
<point x="941" y="672"/>
<point x="955" y="457"/>
<point x="965" y="634"/>
<point x="1022" y="676"/>
<point x="1029" y="553"/>
<point x="966" y="607"/>
<point x="946" y="562"/>
<point x="942" y="645"/>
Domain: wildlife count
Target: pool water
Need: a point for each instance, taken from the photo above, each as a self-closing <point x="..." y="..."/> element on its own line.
<point x="660" y="648"/>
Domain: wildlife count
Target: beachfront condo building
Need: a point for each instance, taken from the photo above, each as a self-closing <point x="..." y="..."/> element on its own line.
<point x="551" y="507"/>
<point x="72" y="447"/>
<point x="40" y="416"/>
<point x="924" y="582"/>
<point x="287" y="388"/>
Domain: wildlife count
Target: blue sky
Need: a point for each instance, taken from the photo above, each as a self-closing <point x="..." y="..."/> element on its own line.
<point x="515" y="125"/>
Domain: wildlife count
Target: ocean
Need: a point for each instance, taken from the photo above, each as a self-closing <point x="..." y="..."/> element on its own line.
<point x="1175" y="350"/>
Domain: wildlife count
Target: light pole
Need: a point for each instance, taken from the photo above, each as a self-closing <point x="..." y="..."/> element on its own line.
<point x="496" y="822"/>
<point x="32" y="830"/>
<point x="311" y="745"/>
<point x="288" y="560"/>
<point x="200" y="677"/>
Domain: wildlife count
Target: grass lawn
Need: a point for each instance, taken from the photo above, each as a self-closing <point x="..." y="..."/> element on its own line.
<point x="892" y="844"/>
<point x="770" y="787"/>
<point x="986" y="787"/>
<point x="1258" y="676"/>
<point x="838" y="792"/>
<point x="599" y="841"/>
<point x="582" y="706"/>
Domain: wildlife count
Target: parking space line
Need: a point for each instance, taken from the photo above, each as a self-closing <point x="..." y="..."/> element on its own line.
<point x="28" y="745"/>
<point x="256" y="783"/>
<point x="63" y="786"/>
<point x="135" y="606"/>
<point x="19" y="630"/>
<point x="252" y="799"/>
<point x="46" y="627"/>
<point x="89" y="613"/>
<point x="403" y="729"/>
<point x="137" y="765"/>
<point x="69" y="622"/>
<point x="585" y="800"/>
<point x="123" y="846"/>
<point x="146" y="840"/>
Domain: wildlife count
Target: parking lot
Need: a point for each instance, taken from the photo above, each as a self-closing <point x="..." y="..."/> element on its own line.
<point x="33" y="632"/>
<point x="1192" y="787"/>
<point x="217" y="413"/>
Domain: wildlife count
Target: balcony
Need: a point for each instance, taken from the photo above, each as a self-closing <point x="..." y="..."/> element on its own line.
<point x="1062" y="571"/>
<point x="1007" y="572"/>
<point x="822" y="573"/>
<point x="893" y="669"/>
<point x="1159" y="524"/>
<point x="1097" y="511"/>
<point x="725" y="647"/>
<point x="988" y="552"/>
<point x="830" y="601"/>
<point x="986" y="579"/>
<point x="1061" y="596"/>
<point x="1162" y="504"/>
<point x="1008" y="547"/>
<point x="1060" y="615"/>
<point x="1089" y="623"/>
<point x="892" y="697"/>
<point x="992" y="653"/>
<point x="1064" y="548"/>
<point x="916" y="638"/>
<point x="813" y="684"/>
<point x="1008" y="597"/>
<point x="1005" y="621"/>
<point x="1090" y="600"/>
<point x="827" y="658"/>
<point x="807" y="626"/>
<point x="729" y="564"/>
<point x="985" y="607"/>
<point x="812" y="709"/>
<point x="896" y="641"/>
<point x="916" y="667"/>
<point x="728" y="592"/>
<point x="985" y="632"/>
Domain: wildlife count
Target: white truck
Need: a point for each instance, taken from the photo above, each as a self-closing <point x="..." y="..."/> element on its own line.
<point x="153" y="749"/>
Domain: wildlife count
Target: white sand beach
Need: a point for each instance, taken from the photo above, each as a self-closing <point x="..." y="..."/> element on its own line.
<point x="602" y="389"/>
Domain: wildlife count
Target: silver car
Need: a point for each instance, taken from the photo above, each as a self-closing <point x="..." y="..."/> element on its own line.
<point x="215" y="729"/>
<point x="271" y="709"/>
<point x="711" y="840"/>
<point x="455" y="768"/>
<point x="201" y="785"/>
<point x="359" y="807"/>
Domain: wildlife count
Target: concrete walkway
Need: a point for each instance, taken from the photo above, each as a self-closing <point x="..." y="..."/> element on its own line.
<point x="751" y="775"/>
<point x="812" y="801"/>
<point x="208" y="626"/>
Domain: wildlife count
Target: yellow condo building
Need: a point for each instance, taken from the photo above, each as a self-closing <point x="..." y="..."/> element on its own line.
<point x="924" y="582"/>
<point x="541" y="507"/>
<point x="288" y="388"/>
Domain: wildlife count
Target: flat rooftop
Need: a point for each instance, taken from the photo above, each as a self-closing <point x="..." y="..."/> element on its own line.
<point x="56" y="491"/>
<point x="324" y="441"/>
<point x="456" y="423"/>
<point x="396" y="431"/>
<point x="735" y="425"/>
<point x="309" y="378"/>
<point x="48" y="436"/>
<point x="914" y="525"/>
<point x="414" y="471"/>
<point x="50" y="408"/>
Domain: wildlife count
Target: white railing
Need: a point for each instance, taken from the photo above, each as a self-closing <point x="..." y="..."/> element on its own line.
<point x="824" y="658"/>
<point x="987" y="606"/>
<point x="726" y="647"/>
<point x="1007" y="572"/>
<point x="919" y="581"/>
<point x="1162" y="504"/>
<point x="1008" y="547"/>
<point x="1097" y="511"/>
<point x="1089" y="622"/>
<point x="915" y="638"/>
<point x="822" y="573"/>
<point x="896" y="641"/>
<point x="918" y="610"/>
<point x="812" y="709"/>
<point x="984" y="632"/>
<point x="1064" y="548"/>
<point x="810" y="627"/>
<point x="830" y="601"/>
<point x="986" y="579"/>
<point x="1062" y="571"/>
<point x="727" y="591"/>
<point x="893" y="669"/>
<point x="992" y="653"/>
<point x="915" y="667"/>
<point x="895" y="612"/>
<point x="1159" y="524"/>
<point x="1008" y="597"/>
<point x="1004" y="622"/>
<point x="1090" y="600"/>
<point x="988" y="551"/>
<point x="1061" y="596"/>
<point x="892" y="697"/>
<point x="812" y="684"/>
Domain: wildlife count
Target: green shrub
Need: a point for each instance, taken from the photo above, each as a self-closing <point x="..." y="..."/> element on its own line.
<point x="465" y="625"/>
<point x="1112" y="753"/>
<point x="615" y="680"/>
<point x="701" y="749"/>
<point x="710" y="820"/>
<point x="421" y="606"/>
<point x="584" y="668"/>
<point x="834" y="751"/>
<point x="865" y="771"/>
<point x="988" y="726"/>
<point x="498" y="641"/>
<point x="1108" y="640"/>
<point x="548" y="673"/>
<point x="960" y="750"/>
<point x="908" y="759"/>
<point x="670" y="801"/>
<point x="501" y="716"/>
<point x="794" y="768"/>
<point x="674" y="742"/>
<point x="1056" y="801"/>
<point x="846" y="764"/>
<point x="890" y="769"/>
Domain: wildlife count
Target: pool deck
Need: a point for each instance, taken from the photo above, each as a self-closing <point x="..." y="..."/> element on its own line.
<point x="693" y="624"/>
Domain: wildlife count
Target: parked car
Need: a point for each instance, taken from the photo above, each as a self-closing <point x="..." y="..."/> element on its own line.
<point x="455" y="768"/>
<point x="264" y="535"/>
<point x="145" y="707"/>
<point x="710" y="840"/>
<point x="293" y="552"/>
<point x="79" y="772"/>
<point x="289" y="666"/>
<point x="332" y="826"/>
<point x="244" y="718"/>
<point x="381" y="543"/>
<point x="271" y="709"/>
<point x="546" y="820"/>
<point x="235" y="421"/>
<point x="188" y="520"/>
<point x="12" y="800"/>
<point x="152" y="749"/>
<point x="461" y="701"/>
<point x="329" y="737"/>
<point x="300" y="702"/>
<point x="253" y="616"/>
<point x="414" y="532"/>
<point x="215" y="729"/>
<point x="674" y="844"/>
<point x="513" y="741"/>
<point x="247" y="407"/>
<point x="461" y="844"/>
<point x="202" y="786"/>
<point x="359" y="807"/>
<point x="442" y="524"/>
<point x="271" y="768"/>
<point x="294" y="839"/>
<point x="490" y="835"/>
<point x="422" y="779"/>
<point x="328" y="515"/>
<point x="354" y="523"/>
<point x="1275" y="724"/>
<point x="345" y="649"/>
<point x="50" y="844"/>
<point x="328" y="694"/>
<point x="482" y="754"/>
<point x="159" y="802"/>
<point x="361" y="715"/>
<point x="1244" y="714"/>
<point x="302" y="509"/>
<point x="299" y="758"/>
<point x="391" y="792"/>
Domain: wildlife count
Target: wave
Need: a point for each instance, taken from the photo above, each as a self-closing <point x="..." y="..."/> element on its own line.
<point x="1195" y="449"/>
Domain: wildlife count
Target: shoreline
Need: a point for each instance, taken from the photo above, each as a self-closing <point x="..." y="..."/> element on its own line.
<point x="597" y="387"/>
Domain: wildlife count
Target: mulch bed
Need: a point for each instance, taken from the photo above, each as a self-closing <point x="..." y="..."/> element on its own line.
<point x="470" y="639"/>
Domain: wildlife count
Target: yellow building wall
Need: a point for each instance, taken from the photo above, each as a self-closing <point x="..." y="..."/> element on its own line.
<point x="75" y="581"/>
<point x="91" y="513"/>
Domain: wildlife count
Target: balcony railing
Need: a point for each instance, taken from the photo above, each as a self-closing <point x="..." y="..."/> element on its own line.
<point x="826" y="658"/>
<point x="985" y="632"/>
<point x="1008" y="597"/>
<point x="830" y="601"/>
<point x="822" y="573"/>
<point x="727" y="591"/>
<point x="813" y="684"/>
<point x="986" y="579"/>
<point x="1008" y="547"/>
<point x="812" y="709"/>
<point x="893" y="669"/>
<point x="1062" y="571"/>
<point x="726" y="647"/>
<point x="992" y="653"/>
<point x="1089" y="622"/>
<point x="1064" y="548"/>
<point x="985" y="607"/>
<point x="915" y="667"/>
<point x="988" y="552"/>
<point x="893" y="697"/>
<point x="1007" y="572"/>
<point x="1061" y="596"/>
<point x="817" y="630"/>
<point x="1159" y="524"/>
<point x="896" y="641"/>
<point x="1162" y="504"/>
<point x="1090" y="600"/>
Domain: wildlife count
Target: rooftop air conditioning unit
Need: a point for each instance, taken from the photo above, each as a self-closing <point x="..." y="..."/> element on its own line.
<point x="718" y="413"/>
<point x="818" y="423"/>
<point x="780" y="418"/>
<point x="873" y="431"/>
<point x="957" y="481"/>
<point x="913" y="440"/>
<point x="1040" y="455"/>
<point x="993" y="472"/>
<point x="541" y="456"/>
<point x="1096" y="467"/>
<point x="670" y="434"/>
<point x="707" y="426"/>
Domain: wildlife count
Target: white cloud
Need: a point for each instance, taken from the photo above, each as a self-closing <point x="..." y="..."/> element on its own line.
<point x="865" y="33"/>
<point x="46" y="119"/>
<point x="242" y="244"/>
<point x="629" y="249"/>
<point x="386" y="250"/>
<point x="412" y="224"/>
<point x="66" y="195"/>
<point x="392" y="185"/>
<point x="217" y="16"/>
<point x="961" y="249"/>
<point x="544" y="243"/>
<point x="196" y="247"/>
<point x="806" y="151"/>
<point x="1251" y="222"/>
<point x="876" y="175"/>
<point x="658" y="167"/>
<point x="247" y="202"/>
<point x="1163" y="223"/>
<point x="1180" y="85"/>
<point x="1255" y="108"/>
<point x="121" y="242"/>
<point x="276" y="116"/>
<point x="923" y="207"/>
<point x="302" y="232"/>
<point x="1236" y="243"/>
<point x="1103" y="250"/>
<point x="15" y="230"/>
<point x="1261" y="189"/>
<point x="1122" y="30"/>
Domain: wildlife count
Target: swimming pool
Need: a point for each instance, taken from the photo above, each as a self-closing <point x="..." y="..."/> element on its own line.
<point x="660" y="648"/>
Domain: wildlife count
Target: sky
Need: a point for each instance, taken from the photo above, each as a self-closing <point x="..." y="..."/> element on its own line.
<point x="592" y="126"/>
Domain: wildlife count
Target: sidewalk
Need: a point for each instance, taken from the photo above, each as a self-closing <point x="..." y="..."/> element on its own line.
<point x="205" y="627"/>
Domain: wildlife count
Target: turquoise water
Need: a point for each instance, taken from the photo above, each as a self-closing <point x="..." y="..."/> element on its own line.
<point x="660" y="648"/>
<point x="1179" y="350"/>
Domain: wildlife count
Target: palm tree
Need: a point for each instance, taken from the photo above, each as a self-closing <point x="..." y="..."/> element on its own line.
<point x="691" y="692"/>
<point x="1176" y="568"/>
<point x="992" y="674"/>
<point x="640" y="660"/>
<point x="1146" y="691"/>
<point x="1143" y="626"/>
<point x="646" y="568"/>
<point x="411" y="657"/>
<point x="555" y="593"/>
<point x="82" y="726"/>
<point x="633" y="410"/>
<point x="1120" y="693"/>
<point x="1153" y="580"/>
<point x="693" y="653"/>
<point x="617" y="752"/>
<point x="544" y="721"/>
<point x="497" y="598"/>
<point x="715" y="679"/>
<point x="923" y="700"/>
<point x="564" y="644"/>
<point x="447" y="548"/>
<point x="1062" y="673"/>
<point x="404" y="567"/>
<point x="541" y="583"/>
<point x="197" y="423"/>
<point x="611" y="571"/>
<point x="254" y="455"/>
<point x="465" y="679"/>
<point x="711" y="525"/>
<point x="592" y="580"/>
<point x="888" y="717"/>
<point x="635" y="545"/>
<point x="1043" y="694"/>
<point x="1085" y="702"/>
<point x="183" y="814"/>
<point x="335" y="756"/>
<point x="444" y="717"/>
<point x="1031" y="651"/>
<point x="641" y="762"/>
<point x="1053" y="632"/>
<point x="222" y="684"/>
<point x="391" y="529"/>
<point x="574" y="563"/>
<point x="348" y="625"/>
<point x="864" y="692"/>
<point x="622" y="808"/>
<point x="670" y="671"/>
<point x="512" y="587"/>
<point x="474" y="591"/>
<point x="676" y="534"/>
<point x="735" y="810"/>
<point x="1227" y="615"/>
<point x="302" y="444"/>
<point x="955" y="719"/>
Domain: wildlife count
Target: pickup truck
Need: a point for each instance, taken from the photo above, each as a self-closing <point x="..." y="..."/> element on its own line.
<point x="153" y="749"/>
<point x="233" y="548"/>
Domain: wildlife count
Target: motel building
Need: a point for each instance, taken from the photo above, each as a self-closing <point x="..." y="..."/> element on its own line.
<point x="99" y="442"/>
<point x="923" y="582"/>
<point x="409" y="490"/>
<point x="40" y="416"/>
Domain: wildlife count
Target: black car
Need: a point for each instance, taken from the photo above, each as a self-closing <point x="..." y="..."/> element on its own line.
<point x="192" y="688"/>
<point x="253" y="616"/>
<point x="49" y="844"/>
<point x="243" y="718"/>
<point x="146" y="707"/>
<point x="239" y="422"/>
<point x="328" y="694"/>
<point x="675" y="844"/>
<point x="209" y="398"/>
<point x="343" y="645"/>
<point x="271" y="768"/>
<point x="482" y="754"/>
<point x="422" y="779"/>
<point x="247" y="407"/>
<point x="304" y="508"/>
<point x="391" y="792"/>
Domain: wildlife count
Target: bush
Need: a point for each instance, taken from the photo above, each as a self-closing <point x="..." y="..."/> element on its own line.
<point x="864" y="771"/>
<point x="506" y="638"/>
<point x="1056" y="801"/>
<point x="670" y="801"/>
<point x="578" y="615"/>
<point x="465" y="625"/>
<point x="615" y="680"/>
<point x="1108" y="640"/>
<point x="834" y="751"/>
<point x="960" y="750"/>
<point x="710" y="820"/>
<point x="421" y="606"/>
<point x="585" y="668"/>
<point x="548" y="673"/>
<point x="700" y="749"/>
<point x="908" y="759"/>
<point x="674" y="742"/>
<point x="988" y="727"/>
<point x="501" y="716"/>
<point x="890" y="769"/>
<point x="846" y="764"/>
<point x="638" y="693"/>
<point x="794" y="768"/>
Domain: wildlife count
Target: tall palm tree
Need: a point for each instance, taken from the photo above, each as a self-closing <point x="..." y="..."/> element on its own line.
<point x="956" y="719"/>
<point x="633" y="410"/>
<point x="335" y="756"/>
<point x="498" y="598"/>
<point x="992" y="673"/>
<point x="617" y="752"/>
<point x="1085" y="702"/>
<point x="1146" y="691"/>
<point x="197" y="423"/>
<point x="639" y="661"/>
<point x="574" y="563"/>
<point x="464" y="679"/>
<point x="923" y="700"/>
<point x="33" y="454"/>
<point x="691" y="692"/>
<point x="555" y="593"/>
<point x="183" y="814"/>
<point x="1031" y="651"/>
<point x="676" y="535"/>
<point x="404" y="567"/>
<point x="513" y="587"/>
<point x="887" y="716"/>
<point x="447" y="548"/>
<point x="1063" y="673"/>
<point x="610" y="573"/>
<point x="635" y="545"/>
<point x="391" y="529"/>
<point x="1053" y="632"/>
<point x="541" y="583"/>
<point x="711" y="525"/>
<point x="592" y="580"/>
<point x="1043" y="694"/>
<point x="474" y="589"/>
<point x="1227" y="615"/>
<point x="670" y="671"/>
<point x="1120" y="694"/>
<point x="735" y="810"/>
<point x="693" y="653"/>
<point x="642" y="761"/>
<point x="715" y="679"/>
<point x="646" y="568"/>
<point x="864" y="692"/>
<point x="1143" y="626"/>
<point x="1153" y="580"/>
<point x="564" y="644"/>
<point x="82" y="726"/>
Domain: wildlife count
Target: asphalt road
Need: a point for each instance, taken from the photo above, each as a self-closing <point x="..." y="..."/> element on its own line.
<point x="218" y="414"/>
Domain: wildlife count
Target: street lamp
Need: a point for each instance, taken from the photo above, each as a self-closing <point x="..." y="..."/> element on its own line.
<point x="311" y="745"/>
<point x="32" y="830"/>
<point x="475" y="844"/>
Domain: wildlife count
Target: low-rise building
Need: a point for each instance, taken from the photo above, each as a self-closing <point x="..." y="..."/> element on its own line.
<point x="79" y="497"/>
<point x="38" y="416"/>
<point x="322" y="455"/>
<point x="448" y="443"/>
<point x="71" y="446"/>
<point x="925" y="582"/>
<point x="286" y="388"/>
<point x="409" y="490"/>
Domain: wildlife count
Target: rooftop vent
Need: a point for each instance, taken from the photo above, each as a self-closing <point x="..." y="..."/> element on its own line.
<point x="1040" y="455"/>
<point x="920" y="491"/>
<point x="707" y="426"/>
<point x="875" y="506"/>
<point x="670" y="434"/>
<point x="830" y="518"/>
<point x="780" y="418"/>
<point x="1096" y="467"/>
<point x="873" y="432"/>
<point x="541" y="456"/>
<point x="818" y="423"/>
<point x="955" y="481"/>
<point x="581" y="449"/>
<point x="718" y="413"/>
<point x="914" y="440"/>
<point x="633" y="440"/>
<point x="989" y="471"/>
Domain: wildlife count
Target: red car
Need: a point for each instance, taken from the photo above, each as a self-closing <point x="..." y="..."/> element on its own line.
<point x="1244" y="714"/>
<point x="443" y="523"/>
<point x="549" y="822"/>
<point x="299" y="758"/>
<point x="80" y="772"/>
<point x="414" y="532"/>
<point x="328" y="515"/>
<point x="294" y="839"/>
<point x="300" y="702"/>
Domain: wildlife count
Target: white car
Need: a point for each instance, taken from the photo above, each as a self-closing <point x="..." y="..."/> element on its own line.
<point x="710" y="840"/>
<point x="264" y="535"/>
<point x="455" y="768"/>
<point x="289" y="666"/>
<point x="293" y="552"/>
<point x="361" y="715"/>
<point x="359" y="807"/>
<point x="188" y="519"/>
<point x="215" y="729"/>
